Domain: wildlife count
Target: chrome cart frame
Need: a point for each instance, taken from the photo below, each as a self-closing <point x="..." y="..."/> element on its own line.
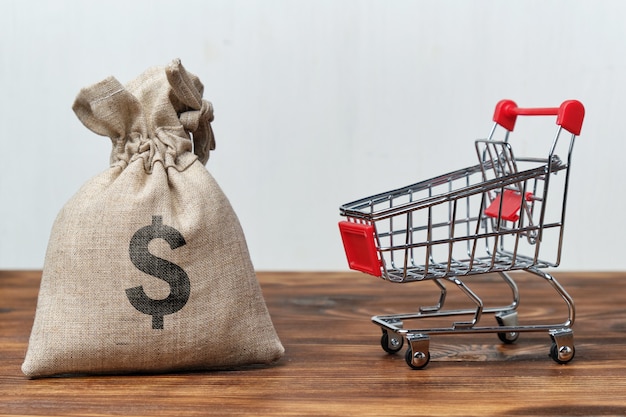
<point x="504" y="214"/>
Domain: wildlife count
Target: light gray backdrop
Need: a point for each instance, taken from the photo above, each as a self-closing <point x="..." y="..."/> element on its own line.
<point x="317" y="103"/>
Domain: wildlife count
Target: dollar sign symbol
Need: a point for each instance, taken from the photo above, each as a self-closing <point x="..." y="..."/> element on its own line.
<point x="169" y="272"/>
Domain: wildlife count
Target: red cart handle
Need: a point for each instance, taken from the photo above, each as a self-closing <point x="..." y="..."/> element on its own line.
<point x="569" y="115"/>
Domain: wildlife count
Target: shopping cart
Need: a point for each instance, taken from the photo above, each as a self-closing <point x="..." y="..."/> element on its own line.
<point x="506" y="213"/>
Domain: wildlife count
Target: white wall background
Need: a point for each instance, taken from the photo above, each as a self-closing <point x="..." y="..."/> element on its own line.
<point x="317" y="103"/>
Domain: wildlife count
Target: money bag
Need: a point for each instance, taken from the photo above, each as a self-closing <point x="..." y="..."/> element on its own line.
<point x="147" y="268"/>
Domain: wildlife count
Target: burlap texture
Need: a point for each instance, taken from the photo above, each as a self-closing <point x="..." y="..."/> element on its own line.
<point x="156" y="219"/>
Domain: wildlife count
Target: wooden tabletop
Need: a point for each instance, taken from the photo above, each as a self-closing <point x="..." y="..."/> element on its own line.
<point x="334" y="364"/>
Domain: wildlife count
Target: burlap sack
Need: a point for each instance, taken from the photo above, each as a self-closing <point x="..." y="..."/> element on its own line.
<point x="147" y="268"/>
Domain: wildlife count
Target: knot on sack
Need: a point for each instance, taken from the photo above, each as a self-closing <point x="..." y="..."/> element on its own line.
<point x="193" y="119"/>
<point x="198" y="122"/>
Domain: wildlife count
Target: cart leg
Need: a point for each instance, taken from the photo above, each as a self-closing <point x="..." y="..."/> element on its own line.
<point x="442" y="298"/>
<point x="417" y="354"/>
<point x="474" y="298"/>
<point x="561" y="291"/>
<point x="515" y="291"/>
<point x="562" y="350"/>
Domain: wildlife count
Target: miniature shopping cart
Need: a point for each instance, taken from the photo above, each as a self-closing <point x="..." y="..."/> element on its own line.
<point x="504" y="214"/>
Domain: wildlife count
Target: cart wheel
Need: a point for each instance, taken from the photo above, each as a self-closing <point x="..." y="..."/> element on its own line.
<point x="562" y="355"/>
<point x="418" y="360"/>
<point x="508" y="318"/>
<point x="508" y="337"/>
<point x="391" y="344"/>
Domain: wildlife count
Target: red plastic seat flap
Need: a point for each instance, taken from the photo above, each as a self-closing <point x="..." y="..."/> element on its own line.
<point x="511" y="203"/>
<point x="360" y="246"/>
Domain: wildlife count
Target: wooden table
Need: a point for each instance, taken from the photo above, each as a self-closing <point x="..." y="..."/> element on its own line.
<point x="334" y="364"/>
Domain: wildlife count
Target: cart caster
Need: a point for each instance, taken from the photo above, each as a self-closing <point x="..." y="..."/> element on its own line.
<point x="562" y="349"/>
<point x="417" y="354"/>
<point x="508" y="337"/>
<point x="508" y="318"/>
<point x="391" y="343"/>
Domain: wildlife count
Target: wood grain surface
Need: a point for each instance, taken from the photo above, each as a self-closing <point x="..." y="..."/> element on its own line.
<point x="334" y="364"/>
